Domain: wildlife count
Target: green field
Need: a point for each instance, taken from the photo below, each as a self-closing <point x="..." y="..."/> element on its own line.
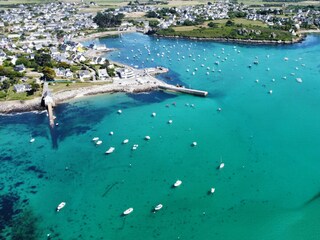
<point x="256" y="31"/>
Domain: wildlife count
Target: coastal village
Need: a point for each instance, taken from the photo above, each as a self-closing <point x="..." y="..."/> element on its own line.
<point x="42" y="42"/>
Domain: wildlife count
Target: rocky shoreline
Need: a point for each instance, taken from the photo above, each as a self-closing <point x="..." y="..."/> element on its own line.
<point x="242" y="41"/>
<point x="131" y="86"/>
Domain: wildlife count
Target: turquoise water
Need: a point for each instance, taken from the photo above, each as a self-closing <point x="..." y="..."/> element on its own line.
<point x="269" y="143"/>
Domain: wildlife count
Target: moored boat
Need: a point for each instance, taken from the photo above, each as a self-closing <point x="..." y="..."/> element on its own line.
<point x="32" y="140"/>
<point x="125" y="141"/>
<point x="128" y="211"/>
<point x="95" y="139"/>
<point x="158" y="207"/>
<point x="60" y="206"/>
<point x="99" y="142"/>
<point x="110" y="150"/>
<point x="177" y="183"/>
<point x="221" y="165"/>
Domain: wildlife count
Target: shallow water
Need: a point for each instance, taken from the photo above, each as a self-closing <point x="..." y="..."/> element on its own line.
<point x="268" y="142"/>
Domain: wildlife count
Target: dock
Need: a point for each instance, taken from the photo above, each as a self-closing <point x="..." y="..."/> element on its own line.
<point x="49" y="103"/>
<point x="184" y="90"/>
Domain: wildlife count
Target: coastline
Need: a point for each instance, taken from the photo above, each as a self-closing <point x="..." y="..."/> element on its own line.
<point x="134" y="85"/>
<point x="299" y="39"/>
<point x="100" y="35"/>
<point x="144" y="84"/>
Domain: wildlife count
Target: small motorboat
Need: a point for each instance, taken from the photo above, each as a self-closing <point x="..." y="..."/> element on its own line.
<point x="170" y="121"/>
<point x="270" y="92"/>
<point x="194" y="144"/>
<point x="158" y="207"/>
<point x="125" y="141"/>
<point x="60" y="206"/>
<point x="135" y="146"/>
<point x="153" y="114"/>
<point x="99" y="142"/>
<point x="128" y="211"/>
<point x="177" y="183"/>
<point x="111" y="133"/>
<point x="95" y="139"/>
<point x="32" y="140"/>
<point x="110" y="150"/>
<point x="212" y="190"/>
<point x="119" y="111"/>
<point x="299" y="80"/>
<point x="147" y="138"/>
<point x="221" y="165"/>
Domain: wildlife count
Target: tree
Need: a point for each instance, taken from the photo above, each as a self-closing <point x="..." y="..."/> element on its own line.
<point x="212" y="25"/>
<point x="48" y="74"/>
<point x="188" y="23"/>
<point x="104" y="20"/>
<point x="43" y="60"/>
<point x="5" y="85"/>
<point x="60" y="34"/>
<point x="229" y="23"/>
<point x="151" y="14"/>
<point x="153" y="23"/>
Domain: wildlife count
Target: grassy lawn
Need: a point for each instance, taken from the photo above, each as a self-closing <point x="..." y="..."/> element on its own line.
<point x="12" y="95"/>
<point x="256" y="31"/>
<point x="63" y="86"/>
<point x="221" y="23"/>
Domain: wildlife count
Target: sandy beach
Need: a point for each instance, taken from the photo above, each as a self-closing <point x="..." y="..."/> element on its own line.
<point x="100" y="34"/>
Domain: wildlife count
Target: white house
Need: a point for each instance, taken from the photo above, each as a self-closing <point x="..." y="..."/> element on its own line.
<point x="22" y="88"/>
<point x="102" y="73"/>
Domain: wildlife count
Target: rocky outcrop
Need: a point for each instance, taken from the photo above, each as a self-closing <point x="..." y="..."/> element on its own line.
<point x="21" y="106"/>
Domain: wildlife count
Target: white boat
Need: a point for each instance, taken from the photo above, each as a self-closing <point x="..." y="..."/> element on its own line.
<point x="153" y="114"/>
<point x="212" y="190"/>
<point x="270" y="92"/>
<point x="110" y="150"/>
<point x="125" y="141"/>
<point x="119" y="111"/>
<point x="99" y="142"/>
<point x="128" y="211"/>
<point x="299" y="80"/>
<point x="147" y="137"/>
<point x="111" y="133"/>
<point x="177" y="183"/>
<point x="221" y="165"/>
<point x="135" y="146"/>
<point x="170" y="121"/>
<point x="158" y="207"/>
<point x="32" y="140"/>
<point x="95" y="139"/>
<point x="60" y="206"/>
<point x="194" y="144"/>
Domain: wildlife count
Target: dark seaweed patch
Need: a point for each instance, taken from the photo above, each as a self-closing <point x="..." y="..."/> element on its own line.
<point x="7" y="212"/>
<point x="18" y="184"/>
<point x="35" y="169"/>
<point x="5" y="158"/>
